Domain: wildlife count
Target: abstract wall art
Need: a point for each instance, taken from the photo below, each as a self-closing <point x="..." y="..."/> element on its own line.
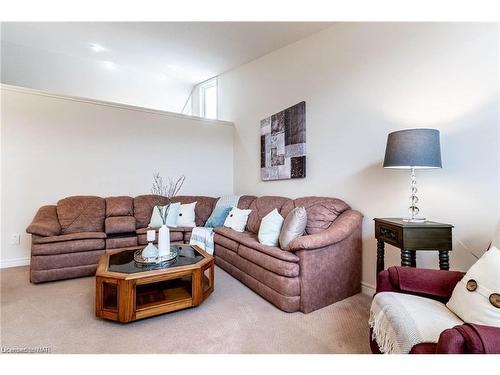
<point x="283" y="144"/>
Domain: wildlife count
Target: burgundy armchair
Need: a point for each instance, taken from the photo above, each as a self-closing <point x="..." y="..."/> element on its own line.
<point x="438" y="285"/>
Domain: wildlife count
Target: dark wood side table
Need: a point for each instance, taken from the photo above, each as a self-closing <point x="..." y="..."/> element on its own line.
<point x="412" y="237"/>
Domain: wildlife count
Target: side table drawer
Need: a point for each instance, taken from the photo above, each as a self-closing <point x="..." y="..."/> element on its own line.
<point x="389" y="234"/>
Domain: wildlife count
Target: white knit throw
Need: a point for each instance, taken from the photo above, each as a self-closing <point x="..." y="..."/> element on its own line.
<point x="400" y="321"/>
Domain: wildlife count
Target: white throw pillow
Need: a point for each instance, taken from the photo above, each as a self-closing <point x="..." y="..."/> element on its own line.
<point x="186" y="217"/>
<point x="173" y="212"/>
<point x="472" y="302"/>
<point x="237" y="219"/>
<point x="270" y="228"/>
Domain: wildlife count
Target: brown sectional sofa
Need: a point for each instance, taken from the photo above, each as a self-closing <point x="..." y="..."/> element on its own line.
<point x="69" y="238"/>
<point x="322" y="267"/>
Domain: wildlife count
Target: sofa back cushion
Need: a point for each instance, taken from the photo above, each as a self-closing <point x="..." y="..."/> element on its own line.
<point x="119" y="206"/>
<point x="143" y="208"/>
<point x="261" y="207"/>
<point x="245" y="201"/>
<point x="81" y="214"/>
<point x="203" y="209"/>
<point x="321" y="211"/>
<point x="119" y="224"/>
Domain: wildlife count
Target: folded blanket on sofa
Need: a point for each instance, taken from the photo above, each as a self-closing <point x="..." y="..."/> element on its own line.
<point x="204" y="238"/>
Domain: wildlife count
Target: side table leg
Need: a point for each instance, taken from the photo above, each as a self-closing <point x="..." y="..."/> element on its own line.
<point x="405" y="258"/>
<point x="380" y="256"/>
<point x="444" y="260"/>
<point x="413" y="255"/>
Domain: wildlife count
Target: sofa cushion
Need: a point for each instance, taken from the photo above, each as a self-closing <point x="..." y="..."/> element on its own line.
<point x="250" y="240"/>
<point x="62" y="273"/>
<point x="261" y="207"/>
<point x="117" y="242"/>
<point x="245" y="201"/>
<point x="119" y="206"/>
<point x="321" y="211"/>
<point x="68" y="246"/>
<point x="293" y="227"/>
<point x="287" y="286"/>
<point x="186" y="216"/>
<point x="227" y="242"/>
<point x="69" y="237"/>
<point x="270" y="263"/>
<point x="270" y="228"/>
<point x="119" y="224"/>
<point x="285" y="303"/>
<point x="49" y="262"/>
<point x="81" y="214"/>
<point x="143" y="208"/>
<point x="237" y="219"/>
<point x="203" y="209"/>
<point x="45" y="222"/>
<point x="172" y="211"/>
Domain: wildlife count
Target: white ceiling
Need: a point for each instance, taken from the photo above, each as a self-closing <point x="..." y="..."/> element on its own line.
<point x="167" y="57"/>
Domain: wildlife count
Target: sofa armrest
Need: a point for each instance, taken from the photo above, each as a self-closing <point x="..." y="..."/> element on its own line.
<point x="434" y="284"/>
<point x="343" y="226"/>
<point x="45" y="223"/>
<point x="469" y="338"/>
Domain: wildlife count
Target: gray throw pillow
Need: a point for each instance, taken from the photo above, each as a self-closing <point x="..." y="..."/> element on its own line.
<point x="293" y="226"/>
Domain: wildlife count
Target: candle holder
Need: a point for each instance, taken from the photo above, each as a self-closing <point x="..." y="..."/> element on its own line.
<point x="150" y="251"/>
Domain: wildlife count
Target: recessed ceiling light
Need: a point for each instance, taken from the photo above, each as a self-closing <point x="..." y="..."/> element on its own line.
<point x="109" y="65"/>
<point x="97" y="47"/>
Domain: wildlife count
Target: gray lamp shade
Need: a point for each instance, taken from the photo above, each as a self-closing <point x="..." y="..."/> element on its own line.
<point x="413" y="148"/>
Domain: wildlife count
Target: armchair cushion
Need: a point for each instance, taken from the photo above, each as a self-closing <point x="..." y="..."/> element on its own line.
<point x="340" y="229"/>
<point x="471" y="299"/>
<point x="45" y="222"/>
<point x="401" y="321"/>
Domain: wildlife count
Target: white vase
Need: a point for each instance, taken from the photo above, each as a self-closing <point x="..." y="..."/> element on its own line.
<point x="164" y="240"/>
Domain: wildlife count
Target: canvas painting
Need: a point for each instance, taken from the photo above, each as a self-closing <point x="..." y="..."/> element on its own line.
<point x="283" y="144"/>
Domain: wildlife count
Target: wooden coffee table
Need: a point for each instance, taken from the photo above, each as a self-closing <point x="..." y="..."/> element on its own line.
<point x="128" y="291"/>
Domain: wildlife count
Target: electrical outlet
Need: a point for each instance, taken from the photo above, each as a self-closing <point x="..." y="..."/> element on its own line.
<point x="15" y="239"/>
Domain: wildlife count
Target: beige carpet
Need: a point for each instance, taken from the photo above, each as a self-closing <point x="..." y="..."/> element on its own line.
<point x="60" y="315"/>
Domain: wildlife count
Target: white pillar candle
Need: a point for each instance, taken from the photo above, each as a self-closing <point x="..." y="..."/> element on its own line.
<point x="150" y="235"/>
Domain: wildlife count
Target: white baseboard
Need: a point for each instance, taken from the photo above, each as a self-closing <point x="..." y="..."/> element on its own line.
<point x="367" y="289"/>
<point x="7" y="263"/>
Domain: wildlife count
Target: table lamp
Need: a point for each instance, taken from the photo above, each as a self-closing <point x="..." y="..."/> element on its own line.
<point x="413" y="149"/>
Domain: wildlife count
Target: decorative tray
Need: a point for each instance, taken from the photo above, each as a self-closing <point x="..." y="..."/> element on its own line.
<point x="171" y="257"/>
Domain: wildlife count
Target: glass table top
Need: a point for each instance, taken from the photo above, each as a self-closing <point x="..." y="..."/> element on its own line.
<point x="124" y="262"/>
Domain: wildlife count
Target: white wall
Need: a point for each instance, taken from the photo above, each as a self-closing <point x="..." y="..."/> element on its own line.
<point x="361" y="81"/>
<point x="69" y="75"/>
<point x="54" y="146"/>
